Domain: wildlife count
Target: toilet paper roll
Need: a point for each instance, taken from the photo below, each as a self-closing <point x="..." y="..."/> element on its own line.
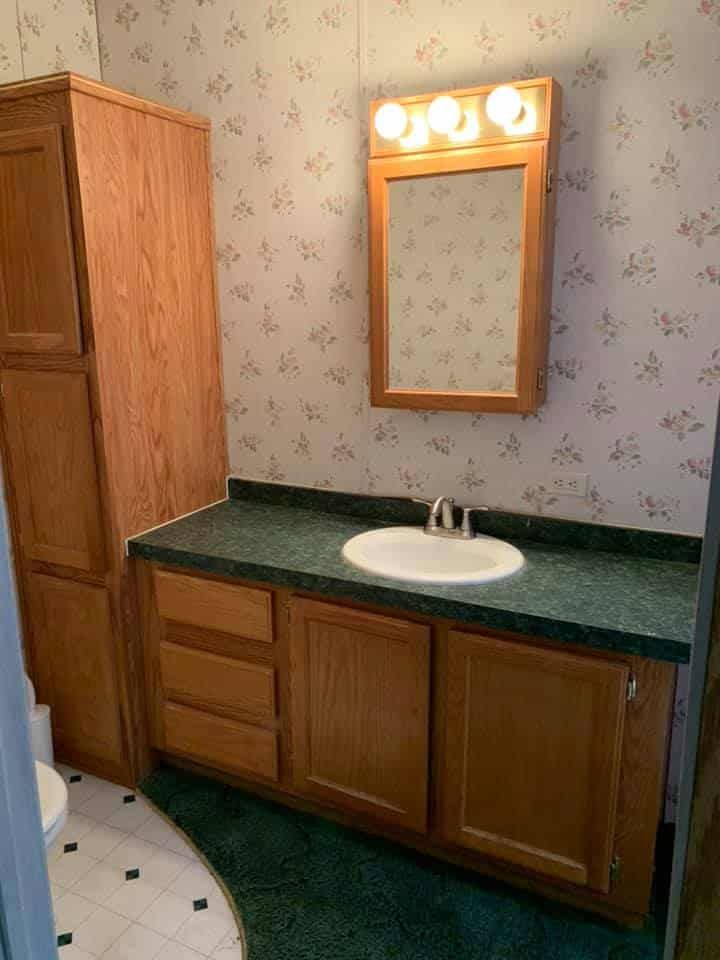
<point x="41" y="734"/>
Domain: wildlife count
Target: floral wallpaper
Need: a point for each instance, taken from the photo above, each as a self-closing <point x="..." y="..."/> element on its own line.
<point x="635" y="353"/>
<point x="635" y="350"/>
<point x="10" y="62"/>
<point x="47" y="36"/>
<point x="454" y="280"/>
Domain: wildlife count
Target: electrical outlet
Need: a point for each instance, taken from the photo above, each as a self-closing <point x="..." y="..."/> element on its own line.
<point x="569" y="484"/>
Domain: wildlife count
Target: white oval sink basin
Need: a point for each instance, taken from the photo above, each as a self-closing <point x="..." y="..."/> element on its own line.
<point x="408" y="553"/>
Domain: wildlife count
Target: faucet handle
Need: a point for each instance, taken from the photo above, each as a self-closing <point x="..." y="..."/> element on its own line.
<point x="431" y="522"/>
<point x="440" y="506"/>
<point x="466" y="511"/>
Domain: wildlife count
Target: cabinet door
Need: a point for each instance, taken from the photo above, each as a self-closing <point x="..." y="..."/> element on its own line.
<point x="75" y="667"/>
<point x="360" y="693"/>
<point x="533" y="743"/>
<point x="38" y="295"/>
<point x="52" y="467"/>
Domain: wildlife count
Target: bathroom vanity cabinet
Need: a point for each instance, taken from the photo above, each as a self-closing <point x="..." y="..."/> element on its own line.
<point x="537" y="762"/>
<point x="111" y="416"/>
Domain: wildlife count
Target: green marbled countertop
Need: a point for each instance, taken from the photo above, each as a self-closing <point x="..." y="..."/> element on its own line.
<point x="612" y="601"/>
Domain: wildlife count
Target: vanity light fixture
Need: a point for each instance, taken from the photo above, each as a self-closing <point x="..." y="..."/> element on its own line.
<point x="418" y="135"/>
<point x="504" y="106"/>
<point x="451" y="140"/>
<point x="527" y="122"/>
<point x="458" y="119"/>
<point x="444" y="114"/>
<point x="391" y="121"/>
<point x="468" y="130"/>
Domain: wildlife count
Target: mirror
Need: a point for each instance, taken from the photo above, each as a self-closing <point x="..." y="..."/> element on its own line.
<point x="461" y="230"/>
<point x="454" y="280"/>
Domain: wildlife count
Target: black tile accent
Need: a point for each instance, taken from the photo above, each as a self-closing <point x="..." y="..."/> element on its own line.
<point x="70" y="847"/>
<point x="76" y="778"/>
<point x="201" y="904"/>
<point x="129" y="798"/>
<point x="132" y="874"/>
<point x="64" y="939"/>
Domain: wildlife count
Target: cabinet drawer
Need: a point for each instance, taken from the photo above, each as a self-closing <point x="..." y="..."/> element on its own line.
<point x="219" y="742"/>
<point x="217" y="684"/>
<point x="243" y="611"/>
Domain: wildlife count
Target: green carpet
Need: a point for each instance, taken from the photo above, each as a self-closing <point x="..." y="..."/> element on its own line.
<point x="309" y="889"/>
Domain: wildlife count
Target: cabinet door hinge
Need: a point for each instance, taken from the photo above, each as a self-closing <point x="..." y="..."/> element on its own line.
<point x="632" y="688"/>
<point x="541" y="378"/>
<point x="615" y="870"/>
<point x="549" y="180"/>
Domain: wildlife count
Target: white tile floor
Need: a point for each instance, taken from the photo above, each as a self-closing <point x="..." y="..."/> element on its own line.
<point x="126" y="886"/>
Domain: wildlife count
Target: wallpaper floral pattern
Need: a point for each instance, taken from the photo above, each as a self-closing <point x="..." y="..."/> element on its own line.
<point x="635" y="355"/>
<point x="635" y="351"/>
<point x="454" y="280"/>
<point x="46" y="36"/>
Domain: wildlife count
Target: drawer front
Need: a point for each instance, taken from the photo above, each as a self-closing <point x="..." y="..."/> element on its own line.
<point x="219" y="742"/>
<point x="217" y="684"/>
<point x="213" y="605"/>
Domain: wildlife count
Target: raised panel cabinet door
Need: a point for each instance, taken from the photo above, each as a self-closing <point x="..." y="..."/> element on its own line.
<point x="38" y="291"/>
<point x="52" y="467"/>
<point x="75" y="667"/>
<point x="360" y="711"/>
<point x="533" y="743"/>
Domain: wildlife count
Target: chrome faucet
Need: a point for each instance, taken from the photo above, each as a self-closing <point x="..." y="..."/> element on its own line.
<point x="441" y="518"/>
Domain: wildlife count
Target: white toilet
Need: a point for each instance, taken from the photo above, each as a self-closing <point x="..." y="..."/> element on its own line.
<point x="52" y="790"/>
<point x="53" y="801"/>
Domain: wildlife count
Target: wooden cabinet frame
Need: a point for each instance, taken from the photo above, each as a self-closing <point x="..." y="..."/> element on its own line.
<point x="536" y="153"/>
<point x="139" y="434"/>
<point x="642" y="766"/>
<point x="530" y="157"/>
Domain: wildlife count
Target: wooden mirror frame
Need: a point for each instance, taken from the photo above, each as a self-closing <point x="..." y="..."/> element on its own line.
<point x="537" y="154"/>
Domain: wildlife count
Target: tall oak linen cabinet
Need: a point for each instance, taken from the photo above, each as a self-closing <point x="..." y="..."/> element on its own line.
<point x="112" y="412"/>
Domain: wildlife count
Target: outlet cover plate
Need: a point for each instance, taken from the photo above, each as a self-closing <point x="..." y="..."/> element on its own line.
<point x="569" y="484"/>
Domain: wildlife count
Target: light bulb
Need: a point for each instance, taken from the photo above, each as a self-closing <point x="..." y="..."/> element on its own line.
<point x="470" y="130"/>
<point x="444" y="114"/>
<point x="503" y="106"/>
<point x="391" y="121"/>
<point x="418" y="135"/>
<point x="527" y="122"/>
